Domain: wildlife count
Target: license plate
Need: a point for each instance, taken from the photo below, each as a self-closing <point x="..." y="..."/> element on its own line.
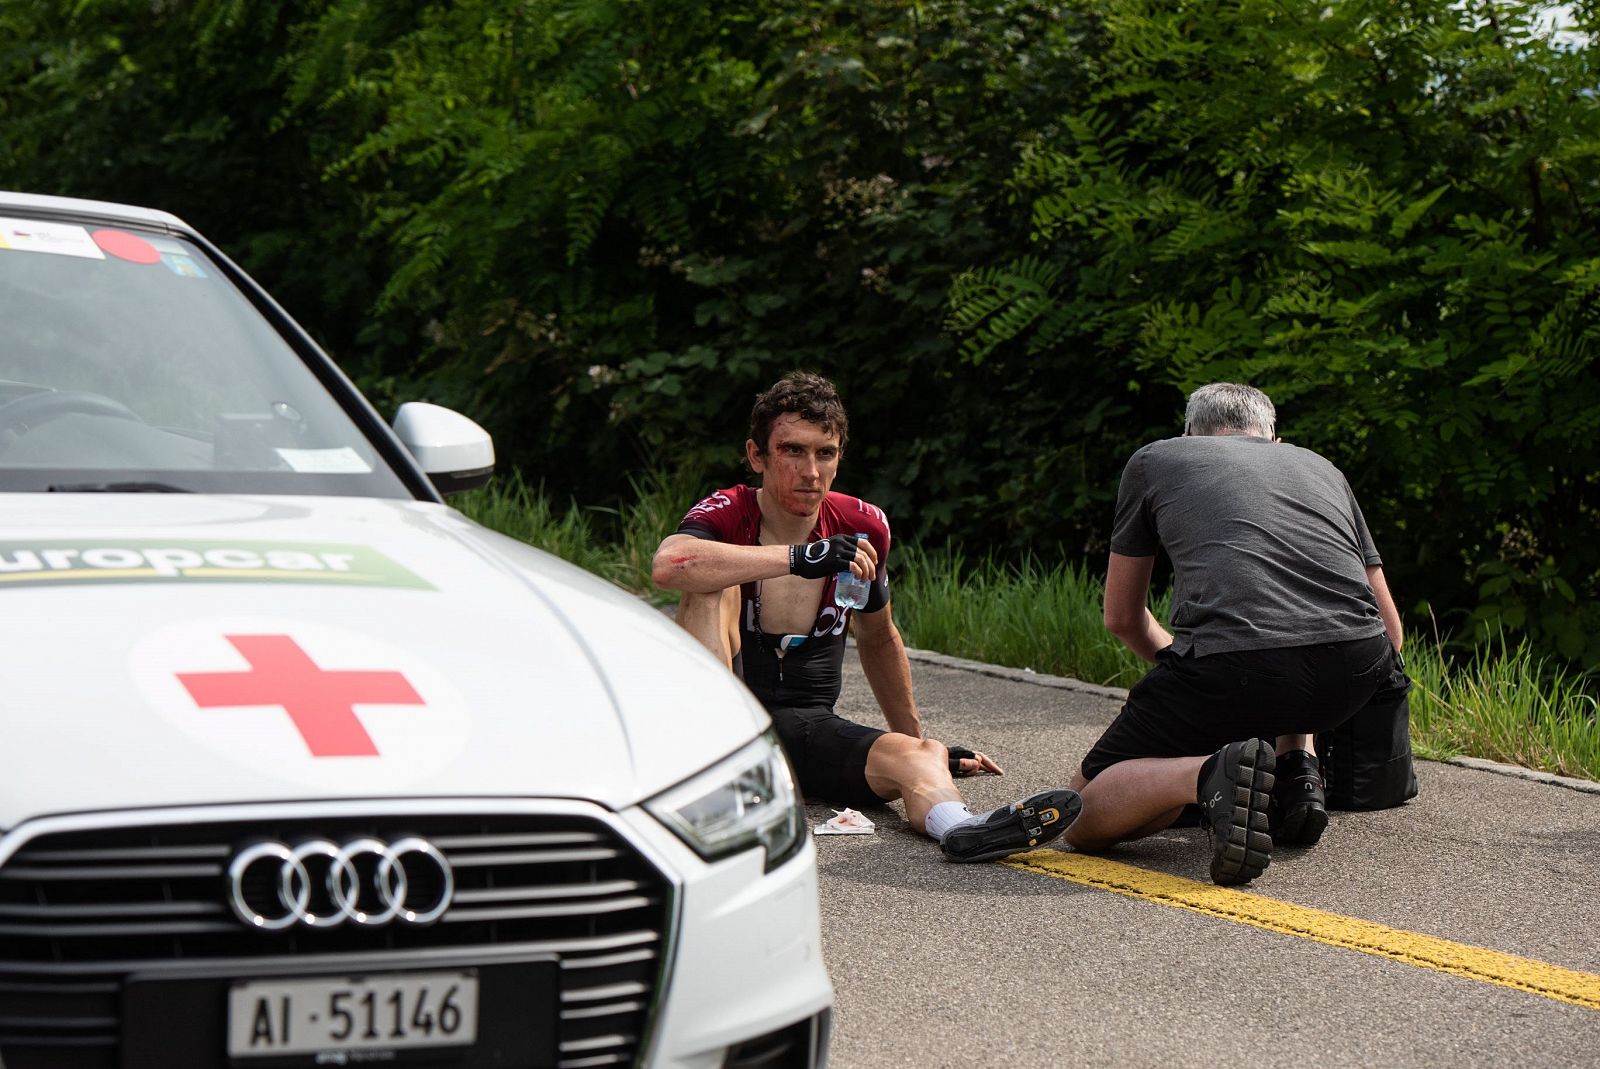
<point x="352" y="1013"/>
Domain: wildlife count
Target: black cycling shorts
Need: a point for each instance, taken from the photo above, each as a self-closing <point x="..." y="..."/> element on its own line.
<point x="829" y="754"/>
<point x="1192" y="706"/>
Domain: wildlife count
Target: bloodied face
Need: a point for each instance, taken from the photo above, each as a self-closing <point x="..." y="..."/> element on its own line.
<point x="798" y="466"/>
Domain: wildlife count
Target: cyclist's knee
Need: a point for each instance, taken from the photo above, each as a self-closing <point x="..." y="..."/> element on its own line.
<point x="919" y="752"/>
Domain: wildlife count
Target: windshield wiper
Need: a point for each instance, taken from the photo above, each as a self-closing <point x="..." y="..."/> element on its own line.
<point x="118" y="488"/>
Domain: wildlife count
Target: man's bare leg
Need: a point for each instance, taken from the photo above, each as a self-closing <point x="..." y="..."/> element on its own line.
<point x="713" y="619"/>
<point x="915" y="770"/>
<point x="918" y="771"/>
<point x="1132" y="799"/>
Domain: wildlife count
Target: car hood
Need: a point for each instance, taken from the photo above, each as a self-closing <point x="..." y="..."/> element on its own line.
<point x="185" y="649"/>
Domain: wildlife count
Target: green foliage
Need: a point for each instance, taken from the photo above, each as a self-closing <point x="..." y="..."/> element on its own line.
<point x="1383" y="214"/>
<point x="623" y="219"/>
<point x="1014" y="232"/>
<point x="530" y="167"/>
<point x="601" y="227"/>
<point x="176" y="106"/>
<point x="1046" y="618"/>
<point x="1504" y="703"/>
<point x="615" y="543"/>
<point x="516" y="509"/>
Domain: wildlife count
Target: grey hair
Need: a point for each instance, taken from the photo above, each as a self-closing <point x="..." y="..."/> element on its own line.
<point x="1219" y="407"/>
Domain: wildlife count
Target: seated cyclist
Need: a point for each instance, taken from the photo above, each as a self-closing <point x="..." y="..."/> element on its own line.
<point x="756" y="567"/>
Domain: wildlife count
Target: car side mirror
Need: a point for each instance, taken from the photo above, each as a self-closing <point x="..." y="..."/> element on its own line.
<point x="454" y="452"/>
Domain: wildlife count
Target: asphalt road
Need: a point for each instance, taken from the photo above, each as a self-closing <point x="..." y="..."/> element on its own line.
<point x="940" y="965"/>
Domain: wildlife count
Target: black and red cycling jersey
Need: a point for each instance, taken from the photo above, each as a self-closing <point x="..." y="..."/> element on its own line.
<point x="811" y="671"/>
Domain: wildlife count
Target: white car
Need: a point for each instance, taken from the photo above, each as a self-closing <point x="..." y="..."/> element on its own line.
<point x="299" y="766"/>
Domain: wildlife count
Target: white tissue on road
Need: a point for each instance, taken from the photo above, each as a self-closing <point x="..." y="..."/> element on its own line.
<point x="845" y="822"/>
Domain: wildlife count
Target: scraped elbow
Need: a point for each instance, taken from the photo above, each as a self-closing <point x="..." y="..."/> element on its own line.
<point x="674" y="564"/>
<point x="667" y="572"/>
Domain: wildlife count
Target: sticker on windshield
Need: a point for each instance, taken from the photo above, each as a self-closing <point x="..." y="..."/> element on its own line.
<point x="126" y="246"/>
<point x="44" y="563"/>
<point x="176" y="258"/>
<point x="303" y="701"/>
<point x="341" y="461"/>
<point x="59" y="239"/>
<point x="182" y="266"/>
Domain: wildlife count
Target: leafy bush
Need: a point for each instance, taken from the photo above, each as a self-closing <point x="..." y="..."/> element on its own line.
<point x="1014" y="232"/>
<point x="1383" y="214"/>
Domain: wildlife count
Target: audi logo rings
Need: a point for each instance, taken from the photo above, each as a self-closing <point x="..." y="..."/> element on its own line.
<point x="321" y="884"/>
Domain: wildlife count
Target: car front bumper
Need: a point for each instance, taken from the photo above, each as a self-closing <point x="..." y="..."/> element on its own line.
<point x="693" y="966"/>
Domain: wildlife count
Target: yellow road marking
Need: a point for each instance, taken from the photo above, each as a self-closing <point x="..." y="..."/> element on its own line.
<point x="1457" y="959"/>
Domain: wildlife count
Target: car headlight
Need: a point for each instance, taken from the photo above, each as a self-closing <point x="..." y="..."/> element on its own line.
<point x="744" y="801"/>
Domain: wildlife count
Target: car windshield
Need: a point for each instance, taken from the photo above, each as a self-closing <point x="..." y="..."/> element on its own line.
<point x="130" y="361"/>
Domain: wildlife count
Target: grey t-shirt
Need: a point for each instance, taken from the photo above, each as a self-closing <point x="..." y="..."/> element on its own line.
<point x="1268" y="546"/>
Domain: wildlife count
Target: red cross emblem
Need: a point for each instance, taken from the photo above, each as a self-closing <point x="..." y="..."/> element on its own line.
<point x="321" y="704"/>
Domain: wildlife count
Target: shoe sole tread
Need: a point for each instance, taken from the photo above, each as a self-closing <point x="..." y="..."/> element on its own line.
<point x="1247" y="850"/>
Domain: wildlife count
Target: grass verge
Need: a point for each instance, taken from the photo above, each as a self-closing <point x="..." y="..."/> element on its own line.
<point x="1025" y="616"/>
<point x="616" y="544"/>
<point x="1501" y="704"/>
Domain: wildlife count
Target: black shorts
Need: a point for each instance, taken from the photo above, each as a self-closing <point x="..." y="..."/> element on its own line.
<point x="829" y="754"/>
<point x="1191" y="706"/>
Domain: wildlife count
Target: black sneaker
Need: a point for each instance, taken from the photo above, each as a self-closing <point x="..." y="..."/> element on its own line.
<point x="1234" y="799"/>
<point x="1299" y="806"/>
<point x="1019" y="826"/>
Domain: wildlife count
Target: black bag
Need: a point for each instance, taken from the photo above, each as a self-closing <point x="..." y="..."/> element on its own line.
<point x="1366" y="761"/>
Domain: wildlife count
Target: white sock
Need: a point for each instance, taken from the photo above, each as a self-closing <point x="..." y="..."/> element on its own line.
<point x="946" y="815"/>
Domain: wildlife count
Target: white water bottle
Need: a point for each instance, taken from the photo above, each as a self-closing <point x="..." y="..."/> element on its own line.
<point x="850" y="592"/>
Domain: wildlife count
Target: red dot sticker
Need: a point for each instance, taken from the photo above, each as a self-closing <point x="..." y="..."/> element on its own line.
<point x="126" y="246"/>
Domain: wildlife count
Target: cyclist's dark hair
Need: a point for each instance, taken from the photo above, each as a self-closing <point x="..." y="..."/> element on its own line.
<point x="811" y="397"/>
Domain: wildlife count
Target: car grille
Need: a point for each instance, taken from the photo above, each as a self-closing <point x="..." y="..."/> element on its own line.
<point x="81" y="911"/>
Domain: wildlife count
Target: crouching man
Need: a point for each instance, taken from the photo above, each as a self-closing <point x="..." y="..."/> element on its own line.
<point x="1282" y="626"/>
